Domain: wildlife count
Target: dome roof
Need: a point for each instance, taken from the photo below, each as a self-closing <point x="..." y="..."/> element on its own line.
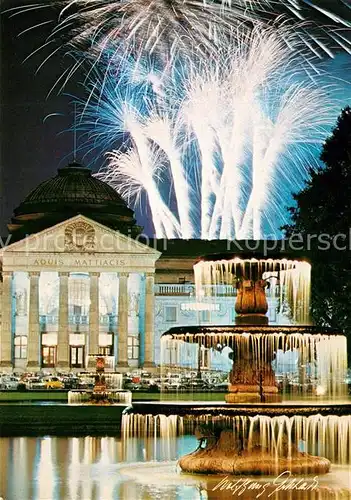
<point x="72" y="191"/>
<point x="73" y="184"/>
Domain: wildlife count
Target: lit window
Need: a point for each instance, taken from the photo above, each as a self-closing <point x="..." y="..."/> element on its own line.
<point x="133" y="348"/>
<point x="48" y="356"/>
<point x="77" y="356"/>
<point x="21" y="347"/>
<point x="105" y="350"/>
<point x="171" y="314"/>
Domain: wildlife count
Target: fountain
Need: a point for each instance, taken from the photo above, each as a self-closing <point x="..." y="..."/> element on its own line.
<point x="254" y="432"/>
<point x="101" y="393"/>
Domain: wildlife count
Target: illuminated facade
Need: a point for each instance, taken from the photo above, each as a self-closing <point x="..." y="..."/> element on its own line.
<point x="78" y="279"/>
<point x="67" y="290"/>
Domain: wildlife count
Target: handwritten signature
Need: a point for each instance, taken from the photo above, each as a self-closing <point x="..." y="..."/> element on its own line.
<point x="283" y="482"/>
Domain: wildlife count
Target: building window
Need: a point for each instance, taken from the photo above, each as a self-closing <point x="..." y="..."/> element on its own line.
<point x="171" y="314"/>
<point x="105" y="350"/>
<point x="205" y="316"/>
<point x="79" y="297"/>
<point x="133" y="348"/>
<point x="77" y="310"/>
<point x="21" y="347"/>
<point x="77" y="356"/>
<point x="48" y="354"/>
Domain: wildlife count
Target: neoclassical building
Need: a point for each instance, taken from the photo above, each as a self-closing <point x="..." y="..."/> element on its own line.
<point x="78" y="279"/>
<point x="67" y="278"/>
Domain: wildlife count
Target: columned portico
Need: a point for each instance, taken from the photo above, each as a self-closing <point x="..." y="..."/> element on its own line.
<point x="67" y="304"/>
<point x="122" y="358"/>
<point x="33" y="361"/>
<point x="63" y="335"/>
<point x="6" y="321"/>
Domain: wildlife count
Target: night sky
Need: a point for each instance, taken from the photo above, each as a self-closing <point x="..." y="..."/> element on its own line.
<point x="31" y="149"/>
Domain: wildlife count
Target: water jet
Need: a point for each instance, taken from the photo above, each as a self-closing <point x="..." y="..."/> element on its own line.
<point x="254" y="431"/>
<point x="101" y="394"/>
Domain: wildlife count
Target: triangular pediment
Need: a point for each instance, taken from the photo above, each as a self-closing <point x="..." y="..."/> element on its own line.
<point x="80" y="235"/>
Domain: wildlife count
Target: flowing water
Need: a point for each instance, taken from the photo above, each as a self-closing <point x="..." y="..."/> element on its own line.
<point x="303" y="362"/>
<point x="79" y="397"/>
<point x="305" y="359"/>
<point x="326" y="436"/>
<point x="293" y="278"/>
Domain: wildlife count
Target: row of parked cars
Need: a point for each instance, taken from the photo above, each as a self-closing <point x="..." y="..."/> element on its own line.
<point x="139" y="381"/>
<point x="37" y="382"/>
<point x="189" y="382"/>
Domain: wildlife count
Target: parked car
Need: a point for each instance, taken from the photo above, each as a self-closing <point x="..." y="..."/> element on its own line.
<point x="131" y="386"/>
<point x="9" y="383"/>
<point x="173" y="385"/>
<point x="53" y="383"/>
<point x="35" y="383"/>
<point x="71" y="382"/>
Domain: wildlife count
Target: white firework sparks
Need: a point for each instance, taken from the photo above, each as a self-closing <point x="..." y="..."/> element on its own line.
<point x="239" y="128"/>
<point x="165" y="27"/>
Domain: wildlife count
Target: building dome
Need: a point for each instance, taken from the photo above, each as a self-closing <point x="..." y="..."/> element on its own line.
<point x="71" y="192"/>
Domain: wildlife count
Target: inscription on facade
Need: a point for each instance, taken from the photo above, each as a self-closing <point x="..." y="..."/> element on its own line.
<point x="80" y="262"/>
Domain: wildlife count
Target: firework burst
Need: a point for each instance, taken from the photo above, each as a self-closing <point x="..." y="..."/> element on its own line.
<point x="164" y="27"/>
<point x="215" y="145"/>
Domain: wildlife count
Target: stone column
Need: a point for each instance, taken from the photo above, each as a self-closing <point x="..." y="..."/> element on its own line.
<point x="149" y="320"/>
<point x="63" y="334"/>
<point x="94" y="320"/>
<point x="122" y="360"/>
<point x="6" y="321"/>
<point x="33" y="363"/>
<point x="133" y="309"/>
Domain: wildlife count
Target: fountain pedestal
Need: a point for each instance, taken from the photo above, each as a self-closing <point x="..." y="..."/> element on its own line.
<point x="252" y="379"/>
<point x="252" y="383"/>
<point x="251" y="304"/>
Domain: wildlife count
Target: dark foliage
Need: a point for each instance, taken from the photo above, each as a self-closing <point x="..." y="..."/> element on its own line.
<point x="323" y="209"/>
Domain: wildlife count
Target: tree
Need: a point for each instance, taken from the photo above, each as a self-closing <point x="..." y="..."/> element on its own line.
<point x="323" y="209"/>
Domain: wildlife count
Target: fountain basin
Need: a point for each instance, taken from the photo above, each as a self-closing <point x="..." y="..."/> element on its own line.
<point x="103" y="397"/>
<point x="220" y="409"/>
<point x="319" y="354"/>
<point x="322" y="431"/>
<point x="226" y="455"/>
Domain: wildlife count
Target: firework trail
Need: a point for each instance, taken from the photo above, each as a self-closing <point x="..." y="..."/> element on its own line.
<point x="212" y="142"/>
<point x="164" y="27"/>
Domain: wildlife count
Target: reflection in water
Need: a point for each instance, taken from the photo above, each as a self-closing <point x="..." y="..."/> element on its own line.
<point x="95" y="468"/>
<point x="86" y="468"/>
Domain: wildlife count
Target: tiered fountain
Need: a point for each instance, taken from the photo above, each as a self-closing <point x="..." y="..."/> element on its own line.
<point x="255" y="431"/>
<point x="101" y="393"/>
